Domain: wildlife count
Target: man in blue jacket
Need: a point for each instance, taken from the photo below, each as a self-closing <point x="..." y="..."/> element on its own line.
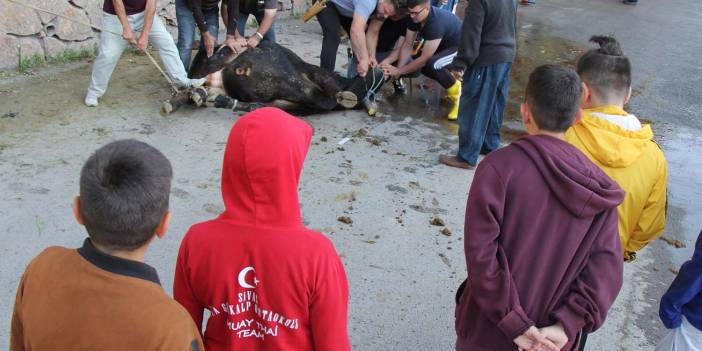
<point x="681" y="307"/>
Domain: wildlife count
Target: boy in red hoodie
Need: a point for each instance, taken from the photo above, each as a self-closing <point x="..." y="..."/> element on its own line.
<point x="268" y="282"/>
<point x="541" y="237"/>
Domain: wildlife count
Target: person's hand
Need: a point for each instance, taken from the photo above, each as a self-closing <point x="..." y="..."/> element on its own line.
<point x="253" y="41"/>
<point x="373" y="62"/>
<point x="362" y="67"/>
<point x="533" y="340"/>
<point x="556" y="334"/>
<point x="209" y="40"/>
<point x="143" y="42"/>
<point x="235" y="43"/>
<point x="457" y="74"/>
<point x="444" y="2"/>
<point x="391" y="71"/>
<point x="128" y="35"/>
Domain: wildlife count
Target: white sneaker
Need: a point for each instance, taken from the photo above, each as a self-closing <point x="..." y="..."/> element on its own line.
<point x="91" y="101"/>
<point x="198" y="82"/>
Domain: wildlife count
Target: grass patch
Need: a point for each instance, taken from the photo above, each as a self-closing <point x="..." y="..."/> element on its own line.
<point x="28" y="63"/>
<point x="73" y="55"/>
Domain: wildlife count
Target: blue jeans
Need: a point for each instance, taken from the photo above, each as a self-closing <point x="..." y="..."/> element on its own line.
<point x="481" y="110"/>
<point x="241" y="25"/>
<point x="186" y="29"/>
<point x="450" y="5"/>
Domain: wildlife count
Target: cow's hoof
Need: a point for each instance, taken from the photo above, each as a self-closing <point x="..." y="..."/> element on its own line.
<point x="166" y="108"/>
<point x="371" y="107"/>
<point x="223" y="102"/>
<point x="199" y="96"/>
<point x="347" y="99"/>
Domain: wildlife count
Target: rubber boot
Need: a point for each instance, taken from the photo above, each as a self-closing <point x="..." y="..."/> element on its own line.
<point x="454" y="94"/>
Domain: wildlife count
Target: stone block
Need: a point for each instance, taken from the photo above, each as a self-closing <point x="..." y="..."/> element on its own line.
<point x="56" y="6"/>
<point x="80" y="3"/>
<point x="15" y="19"/>
<point x="70" y="30"/>
<point x="30" y="46"/>
<point x="9" y="55"/>
<point x="53" y="46"/>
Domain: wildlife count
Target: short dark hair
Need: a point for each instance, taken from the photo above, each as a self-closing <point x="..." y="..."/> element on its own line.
<point x="553" y="94"/>
<point x="124" y="190"/>
<point x="415" y="3"/>
<point x="606" y="70"/>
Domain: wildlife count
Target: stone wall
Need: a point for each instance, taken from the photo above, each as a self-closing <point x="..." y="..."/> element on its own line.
<point x="25" y="33"/>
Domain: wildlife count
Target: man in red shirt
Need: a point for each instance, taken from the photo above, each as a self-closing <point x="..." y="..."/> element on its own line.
<point x="268" y="282"/>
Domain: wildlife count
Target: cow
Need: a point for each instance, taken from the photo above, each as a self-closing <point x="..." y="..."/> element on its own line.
<point x="272" y="75"/>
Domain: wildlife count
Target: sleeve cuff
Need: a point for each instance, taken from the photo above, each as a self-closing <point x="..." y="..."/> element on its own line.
<point x="572" y="323"/>
<point x="459" y="63"/>
<point x="515" y="323"/>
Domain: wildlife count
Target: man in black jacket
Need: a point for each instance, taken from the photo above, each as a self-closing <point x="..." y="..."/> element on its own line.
<point x="487" y="49"/>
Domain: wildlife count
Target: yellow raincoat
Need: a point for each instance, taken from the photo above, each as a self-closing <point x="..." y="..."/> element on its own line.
<point x="632" y="159"/>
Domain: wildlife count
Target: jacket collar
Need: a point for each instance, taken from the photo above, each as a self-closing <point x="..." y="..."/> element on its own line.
<point x="116" y="264"/>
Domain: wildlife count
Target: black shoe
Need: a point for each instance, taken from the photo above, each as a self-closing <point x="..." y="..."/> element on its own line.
<point x="630" y="2"/>
<point x="400" y="87"/>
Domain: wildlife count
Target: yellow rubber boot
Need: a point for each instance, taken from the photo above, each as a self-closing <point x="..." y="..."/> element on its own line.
<point x="454" y="94"/>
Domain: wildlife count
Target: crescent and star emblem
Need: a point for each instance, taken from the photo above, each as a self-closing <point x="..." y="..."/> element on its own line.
<point x="242" y="278"/>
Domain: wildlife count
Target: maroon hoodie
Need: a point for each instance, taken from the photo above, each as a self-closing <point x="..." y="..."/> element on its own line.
<point x="541" y="245"/>
<point x="269" y="283"/>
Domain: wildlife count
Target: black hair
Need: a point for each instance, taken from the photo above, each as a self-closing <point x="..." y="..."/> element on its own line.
<point x="414" y="3"/>
<point x="553" y="94"/>
<point x="124" y="190"/>
<point x="606" y="70"/>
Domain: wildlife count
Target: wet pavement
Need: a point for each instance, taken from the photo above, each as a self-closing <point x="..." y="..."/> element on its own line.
<point x="402" y="270"/>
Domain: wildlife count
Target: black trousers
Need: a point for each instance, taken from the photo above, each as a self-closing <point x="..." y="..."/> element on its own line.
<point x="331" y="22"/>
<point x="583" y="339"/>
<point x="435" y="67"/>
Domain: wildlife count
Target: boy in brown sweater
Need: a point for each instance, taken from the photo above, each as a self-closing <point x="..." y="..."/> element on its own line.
<point x="103" y="296"/>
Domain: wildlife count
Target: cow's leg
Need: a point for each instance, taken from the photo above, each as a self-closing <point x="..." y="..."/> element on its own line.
<point x="175" y="102"/>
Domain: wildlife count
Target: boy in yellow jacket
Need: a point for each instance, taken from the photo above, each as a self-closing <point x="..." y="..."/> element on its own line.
<point x="620" y="145"/>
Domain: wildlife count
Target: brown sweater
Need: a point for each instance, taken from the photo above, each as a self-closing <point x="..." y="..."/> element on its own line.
<point x="87" y="300"/>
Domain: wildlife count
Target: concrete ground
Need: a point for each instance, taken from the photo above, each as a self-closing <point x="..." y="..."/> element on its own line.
<point x="402" y="271"/>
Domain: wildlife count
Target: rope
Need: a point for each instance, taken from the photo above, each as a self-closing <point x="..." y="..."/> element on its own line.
<point x="370" y="93"/>
<point x="153" y="61"/>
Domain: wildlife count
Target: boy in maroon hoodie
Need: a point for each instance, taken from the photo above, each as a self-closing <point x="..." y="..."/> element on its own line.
<point x="268" y="282"/>
<point x="541" y="237"/>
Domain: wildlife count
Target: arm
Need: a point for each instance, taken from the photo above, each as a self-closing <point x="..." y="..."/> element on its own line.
<point x="404" y="52"/>
<point x="471" y="32"/>
<point x="652" y="220"/>
<point x="149" y="14"/>
<point x="208" y="38"/>
<point x="232" y="16"/>
<point x="686" y="286"/>
<point x="395" y="54"/>
<point x="428" y="51"/>
<point x="196" y="8"/>
<point x="329" y="306"/>
<point x="592" y="293"/>
<point x="372" y="39"/>
<point x="358" y="43"/>
<point x="121" y="12"/>
<point x="489" y="274"/>
<point x="17" y="331"/>
<point x="263" y="27"/>
<point x="182" y="290"/>
<point x="235" y="41"/>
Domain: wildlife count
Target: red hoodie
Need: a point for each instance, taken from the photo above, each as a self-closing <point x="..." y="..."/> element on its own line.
<point x="268" y="282"/>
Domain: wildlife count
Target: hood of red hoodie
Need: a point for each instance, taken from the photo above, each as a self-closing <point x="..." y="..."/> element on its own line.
<point x="263" y="160"/>
<point x="583" y="188"/>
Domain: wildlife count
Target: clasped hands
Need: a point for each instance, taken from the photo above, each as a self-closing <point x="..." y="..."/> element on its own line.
<point x="551" y="338"/>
